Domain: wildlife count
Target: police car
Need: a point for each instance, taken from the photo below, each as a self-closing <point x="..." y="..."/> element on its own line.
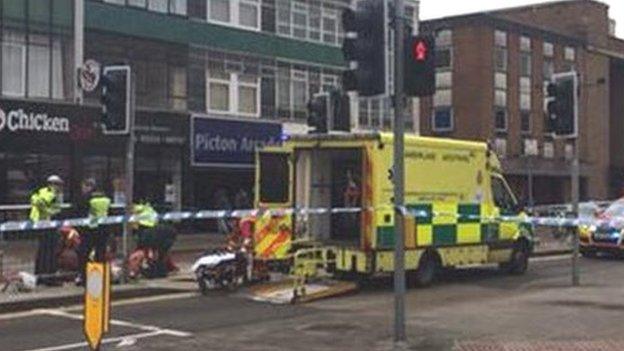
<point x="605" y="234"/>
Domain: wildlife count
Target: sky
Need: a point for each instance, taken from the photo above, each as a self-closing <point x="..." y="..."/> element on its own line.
<point x="441" y="8"/>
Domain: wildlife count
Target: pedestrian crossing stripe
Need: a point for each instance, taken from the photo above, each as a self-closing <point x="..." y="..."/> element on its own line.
<point x="448" y="224"/>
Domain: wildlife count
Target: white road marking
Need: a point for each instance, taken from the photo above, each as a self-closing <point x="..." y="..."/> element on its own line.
<point x="126" y="340"/>
<point x="8" y="316"/>
<point x="551" y="258"/>
<point x="120" y="323"/>
<point x="80" y="345"/>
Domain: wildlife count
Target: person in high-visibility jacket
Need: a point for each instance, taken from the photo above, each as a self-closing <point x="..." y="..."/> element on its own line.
<point x="154" y="240"/>
<point x="93" y="205"/>
<point x="45" y="204"/>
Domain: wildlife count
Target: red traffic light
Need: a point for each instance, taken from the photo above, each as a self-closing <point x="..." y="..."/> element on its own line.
<point x="420" y="50"/>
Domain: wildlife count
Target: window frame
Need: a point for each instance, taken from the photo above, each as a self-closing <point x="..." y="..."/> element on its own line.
<point x="325" y="12"/>
<point x="434" y="124"/>
<point x="24" y="48"/>
<point x="496" y="110"/>
<point x="529" y="128"/>
<point x="233" y="84"/>
<point x="234" y="15"/>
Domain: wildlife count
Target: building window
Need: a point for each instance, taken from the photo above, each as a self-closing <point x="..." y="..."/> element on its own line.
<point x="13" y="66"/>
<point x="137" y="3"/>
<point x="219" y="10"/>
<point x="330" y="26"/>
<point x="442" y="119"/>
<point x="444" y="80"/>
<point x="525" y="64"/>
<point x="238" y="13"/>
<point x="444" y="38"/>
<point x="33" y="69"/>
<point x="296" y="84"/>
<point x="525" y="93"/>
<point x="548" y="69"/>
<point x="569" y="54"/>
<point x="299" y="92"/>
<point x="328" y="82"/>
<point x="525" y="43"/>
<point x="525" y="121"/>
<point x="314" y="22"/>
<point x="363" y="118"/>
<point x="157" y="5"/>
<point x="443" y="97"/>
<point x="500" y="98"/>
<point x="177" y="88"/>
<point x="500" y="119"/>
<point x="178" y="7"/>
<point x="444" y="51"/>
<point x="500" y="81"/>
<point x="38" y="66"/>
<point x="308" y="21"/>
<point x="444" y="58"/>
<point x="232" y="92"/>
<point x="500" y="59"/>
<point x="500" y="38"/>
<point x="549" y="49"/>
<point x="248" y="95"/>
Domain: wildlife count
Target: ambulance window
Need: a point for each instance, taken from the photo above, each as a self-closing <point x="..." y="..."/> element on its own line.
<point x="274" y="175"/>
<point x="502" y="198"/>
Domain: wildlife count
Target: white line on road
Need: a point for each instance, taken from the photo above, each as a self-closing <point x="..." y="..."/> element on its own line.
<point x="120" y="323"/>
<point x="104" y="341"/>
<point x="551" y="258"/>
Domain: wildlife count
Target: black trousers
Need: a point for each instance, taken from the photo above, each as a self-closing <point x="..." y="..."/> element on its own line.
<point x="92" y="240"/>
<point x="46" y="263"/>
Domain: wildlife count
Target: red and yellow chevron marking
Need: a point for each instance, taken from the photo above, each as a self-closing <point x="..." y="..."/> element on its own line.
<point x="272" y="237"/>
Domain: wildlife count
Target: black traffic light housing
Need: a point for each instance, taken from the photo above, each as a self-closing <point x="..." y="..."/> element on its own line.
<point x="364" y="48"/>
<point x="318" y="112"/>
<point x="341" y="111"/>
<point x="419" y="66"/>
<point x="561" y="105"/>
<point x="115" y="100"/>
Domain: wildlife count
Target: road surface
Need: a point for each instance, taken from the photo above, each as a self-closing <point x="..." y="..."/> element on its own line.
<point x="477" y="309"/>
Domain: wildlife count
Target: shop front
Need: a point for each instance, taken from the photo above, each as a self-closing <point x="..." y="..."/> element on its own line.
<point x="222" y="159"/>
<point x="38" y="139"/>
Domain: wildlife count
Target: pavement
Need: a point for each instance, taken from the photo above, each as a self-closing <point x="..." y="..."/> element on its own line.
<point x="474" y="309"/>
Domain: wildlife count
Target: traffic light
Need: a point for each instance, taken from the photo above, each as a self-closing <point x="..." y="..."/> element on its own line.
<point x="318" y="112"/>
<point x="419" y="66"/>
<point x="364" y="48"/>
<point x="561" y="105"/>
<point x="116" y="100"/>
<point x="341" y="111"/>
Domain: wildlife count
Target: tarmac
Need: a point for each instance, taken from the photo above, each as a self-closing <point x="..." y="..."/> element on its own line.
<point x="185" y="251"/>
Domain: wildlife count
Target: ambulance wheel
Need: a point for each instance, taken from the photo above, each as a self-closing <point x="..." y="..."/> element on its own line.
<point x="426" y="272"/>
<point x="519" y="262"/>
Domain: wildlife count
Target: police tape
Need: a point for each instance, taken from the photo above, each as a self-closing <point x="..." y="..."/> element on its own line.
<point x="22" y="226"/>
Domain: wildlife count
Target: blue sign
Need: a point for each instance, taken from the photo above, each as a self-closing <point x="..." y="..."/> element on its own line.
<point x="230" y="143"/>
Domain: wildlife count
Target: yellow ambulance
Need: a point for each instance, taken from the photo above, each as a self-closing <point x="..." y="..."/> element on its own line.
<point x="458" y="204"/>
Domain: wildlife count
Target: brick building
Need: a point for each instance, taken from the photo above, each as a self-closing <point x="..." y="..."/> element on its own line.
<point x="492" y="69"/>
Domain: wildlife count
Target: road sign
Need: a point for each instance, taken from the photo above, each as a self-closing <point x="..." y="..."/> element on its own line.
<point x="89" y="75"/>
<point x="96" y="303"/>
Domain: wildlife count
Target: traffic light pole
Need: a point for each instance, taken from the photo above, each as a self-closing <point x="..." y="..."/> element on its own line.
<point x="575" y="209"/>
<point x="399" y="176"/>
<point x="129" y="189"/>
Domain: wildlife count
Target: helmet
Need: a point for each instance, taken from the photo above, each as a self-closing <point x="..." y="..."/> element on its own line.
<point x="90" y="182"/>
<point x="54" y="179"/>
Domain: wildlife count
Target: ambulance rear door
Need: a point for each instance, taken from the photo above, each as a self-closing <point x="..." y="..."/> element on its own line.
<point x="274" y="228"/>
